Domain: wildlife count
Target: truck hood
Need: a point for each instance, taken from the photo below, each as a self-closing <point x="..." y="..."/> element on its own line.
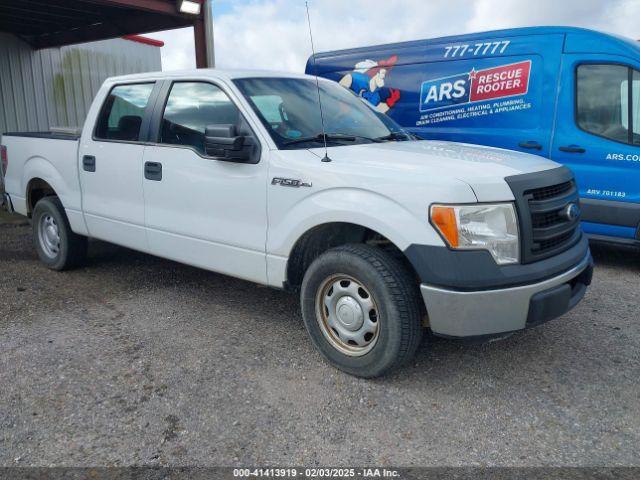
<point x="482" y="168"/>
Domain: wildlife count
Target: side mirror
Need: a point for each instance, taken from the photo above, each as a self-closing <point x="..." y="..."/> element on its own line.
<point x="224" y="143"/>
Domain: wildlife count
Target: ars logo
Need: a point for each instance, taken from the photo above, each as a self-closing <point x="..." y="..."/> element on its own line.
<point x="475" y="86"/>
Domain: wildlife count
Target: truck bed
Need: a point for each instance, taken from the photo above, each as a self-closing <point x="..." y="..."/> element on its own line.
<point x="51" y="134"/>
<point x="50" y="157"/>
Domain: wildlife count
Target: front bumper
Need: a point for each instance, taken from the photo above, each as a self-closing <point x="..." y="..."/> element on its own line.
<point x="455" y="313"/>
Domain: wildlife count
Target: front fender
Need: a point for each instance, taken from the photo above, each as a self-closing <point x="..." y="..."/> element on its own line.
<point x="349" y="205"/>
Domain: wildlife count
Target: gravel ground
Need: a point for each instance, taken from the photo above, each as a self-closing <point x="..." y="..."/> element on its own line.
<point x="138" y="360"/>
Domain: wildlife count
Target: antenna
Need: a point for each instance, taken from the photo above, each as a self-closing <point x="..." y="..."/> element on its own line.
<point x="315" y="71"/>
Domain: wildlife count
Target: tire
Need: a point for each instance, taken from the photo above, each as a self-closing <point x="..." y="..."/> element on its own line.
<point x="57" y="246"/>
<point x="338" y="290"/>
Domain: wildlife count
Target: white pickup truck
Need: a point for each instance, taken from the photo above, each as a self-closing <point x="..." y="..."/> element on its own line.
<point x="383" y="236"/>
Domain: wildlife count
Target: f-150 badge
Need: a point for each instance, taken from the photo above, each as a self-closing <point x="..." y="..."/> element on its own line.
<point x="290" y="182"/>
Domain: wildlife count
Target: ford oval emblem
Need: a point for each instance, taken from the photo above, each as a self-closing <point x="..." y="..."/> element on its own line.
<point x="571" y="212"/>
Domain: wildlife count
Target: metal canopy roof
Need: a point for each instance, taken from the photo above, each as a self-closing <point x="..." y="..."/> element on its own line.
<point x="52" y="23"/>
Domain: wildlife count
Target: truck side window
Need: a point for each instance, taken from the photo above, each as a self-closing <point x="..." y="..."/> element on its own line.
<point x="191" y="107"/>
<point x="122" y="112"/>
<point x="602" y="108"/>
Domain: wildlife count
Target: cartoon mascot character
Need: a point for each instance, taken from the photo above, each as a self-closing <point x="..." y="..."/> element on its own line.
<point x="368" y="80"/>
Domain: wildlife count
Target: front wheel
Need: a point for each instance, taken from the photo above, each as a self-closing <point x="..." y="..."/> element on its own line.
<point x="361" y="308"/>
<point x="57" y="246"/>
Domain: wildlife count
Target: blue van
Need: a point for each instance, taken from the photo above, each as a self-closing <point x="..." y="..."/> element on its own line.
<point x="569" y="94"/>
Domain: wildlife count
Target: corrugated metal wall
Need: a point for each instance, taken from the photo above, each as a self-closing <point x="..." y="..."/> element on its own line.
<point x="40" y="89"/>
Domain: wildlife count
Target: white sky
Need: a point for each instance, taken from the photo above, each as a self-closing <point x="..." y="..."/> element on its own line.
<point x="273" y="34"/>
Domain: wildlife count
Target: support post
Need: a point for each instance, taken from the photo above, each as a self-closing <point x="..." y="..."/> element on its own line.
<point x="208" y="33"/>
<point x="203" y="35"/>
<point x="200" y="43"/>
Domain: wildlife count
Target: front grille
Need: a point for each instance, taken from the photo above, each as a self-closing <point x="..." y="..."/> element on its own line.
<point x="542" y="200"/>
<point x="550" y="192"/>
<point x="551" y="243"/>
<point x="542" y="220"/>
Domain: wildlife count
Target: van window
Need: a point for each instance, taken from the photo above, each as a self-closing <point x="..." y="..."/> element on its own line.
<point x="635" y="111"/>
<point x="602" y="93"/>
<point x="635" y="105"/>
<point x="122" y="112"/>
<point x="191" y="107"/>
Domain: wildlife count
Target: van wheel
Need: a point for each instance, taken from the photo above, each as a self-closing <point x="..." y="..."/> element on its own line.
<point x="361" y="308"/>
<point x="57" y="246"/>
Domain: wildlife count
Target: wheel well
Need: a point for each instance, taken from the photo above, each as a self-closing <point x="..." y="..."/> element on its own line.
<point x="330" y="235"/>
<point x="37" y="189"/>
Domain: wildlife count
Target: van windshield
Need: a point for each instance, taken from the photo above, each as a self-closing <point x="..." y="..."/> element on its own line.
<point x="289" y="109"/>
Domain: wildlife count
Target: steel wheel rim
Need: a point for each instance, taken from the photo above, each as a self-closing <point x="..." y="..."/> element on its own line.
<point x="49" y="236"/>
<point x="348" y="315"/>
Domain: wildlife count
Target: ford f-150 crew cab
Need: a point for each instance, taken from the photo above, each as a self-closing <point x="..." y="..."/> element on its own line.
<point x="382" y="236"/>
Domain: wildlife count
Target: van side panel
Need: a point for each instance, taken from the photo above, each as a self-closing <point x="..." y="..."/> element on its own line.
<point x="499" y="91"/>
<point x="607" y="168"/>
<point x="432" y="87"/>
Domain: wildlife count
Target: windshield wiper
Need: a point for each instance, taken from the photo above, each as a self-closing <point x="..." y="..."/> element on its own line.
<point x="395" y="136"/>
<point x="329" y="137"/>
<point x="321" y="138"/>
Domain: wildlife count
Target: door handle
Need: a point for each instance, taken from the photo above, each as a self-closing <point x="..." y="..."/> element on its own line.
<point x="532" y="144"/>
<point x="89" y="163"/>
<point x="153" y="171"/>
<point x="572" y="149"/>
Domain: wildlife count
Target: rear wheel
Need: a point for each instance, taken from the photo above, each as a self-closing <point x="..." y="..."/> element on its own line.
<point x="57" y="246"/>
<point x="361" y="308"/>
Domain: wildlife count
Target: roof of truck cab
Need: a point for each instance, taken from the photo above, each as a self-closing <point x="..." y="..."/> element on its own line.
<point x="214" y="73"/>
<point x="577" y="40"/>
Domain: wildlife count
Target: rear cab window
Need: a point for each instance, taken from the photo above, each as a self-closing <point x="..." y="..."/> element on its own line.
<point x="121" y="115"/>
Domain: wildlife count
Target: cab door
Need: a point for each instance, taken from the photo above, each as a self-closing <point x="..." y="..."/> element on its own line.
<point x="598" y="136"/>
<point x="201" y="209"/>
<point x="110" y="166"/>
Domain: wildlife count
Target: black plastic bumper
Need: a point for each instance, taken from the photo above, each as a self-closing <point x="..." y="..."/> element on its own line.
<point x="557" y="301"/>
<point x="476" y="269"/>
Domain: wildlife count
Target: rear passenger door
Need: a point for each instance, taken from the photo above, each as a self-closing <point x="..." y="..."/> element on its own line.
<point x="598" y="137"/>
<point x="202" y="210"/>
<point x="110" y="166"/>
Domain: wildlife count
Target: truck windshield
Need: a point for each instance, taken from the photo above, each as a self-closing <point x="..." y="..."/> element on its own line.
<point x="289" y="109"/>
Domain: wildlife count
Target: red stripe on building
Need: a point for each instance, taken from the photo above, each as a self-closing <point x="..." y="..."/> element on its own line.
<point x="145" y="40"/>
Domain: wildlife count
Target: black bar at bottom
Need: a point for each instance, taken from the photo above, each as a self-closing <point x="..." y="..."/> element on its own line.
<point x="314" y="473"/>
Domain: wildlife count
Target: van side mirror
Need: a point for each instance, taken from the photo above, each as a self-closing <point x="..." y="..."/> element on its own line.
<point x="224" y="143"/>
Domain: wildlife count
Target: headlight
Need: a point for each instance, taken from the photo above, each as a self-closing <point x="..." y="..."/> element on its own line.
<point x="492" y="227"/>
